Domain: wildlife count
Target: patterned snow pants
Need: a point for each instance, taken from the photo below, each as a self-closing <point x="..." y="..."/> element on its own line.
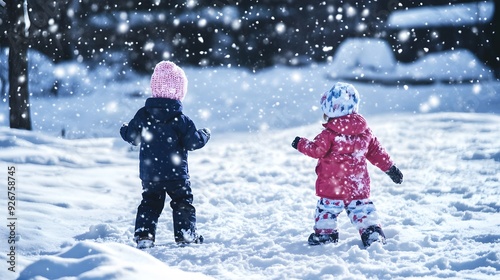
<point x="362" y="214"/>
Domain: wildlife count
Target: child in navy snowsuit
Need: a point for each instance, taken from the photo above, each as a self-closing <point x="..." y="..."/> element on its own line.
<point x="165" y="136"/>
<point x="342" y="150"/>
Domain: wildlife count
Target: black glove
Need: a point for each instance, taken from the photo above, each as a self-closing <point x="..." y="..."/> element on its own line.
<point x="123" y="130"/>
<point x="295" y="142"/>
<point x="395" y="174"/>
<point x="205" y="131"/>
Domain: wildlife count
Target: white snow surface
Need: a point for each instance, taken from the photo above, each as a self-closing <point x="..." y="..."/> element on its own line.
<point x="76" y="198"/>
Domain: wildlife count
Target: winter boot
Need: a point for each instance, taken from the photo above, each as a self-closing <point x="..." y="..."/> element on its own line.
<point x="145" y="242"/>
<point x="198" y="239"/>
<point x="317" y="239"/>
<point x="372" y="234"/>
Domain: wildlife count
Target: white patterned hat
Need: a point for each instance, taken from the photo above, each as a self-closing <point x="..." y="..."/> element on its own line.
<point x="341" y="100"/>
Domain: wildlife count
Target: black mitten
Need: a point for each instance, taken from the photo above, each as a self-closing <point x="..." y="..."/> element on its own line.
<point x="295" y="142"/>
<point x="395" y="174"/>
<point x="123" y="129"/>
<point x="205" y="131"/>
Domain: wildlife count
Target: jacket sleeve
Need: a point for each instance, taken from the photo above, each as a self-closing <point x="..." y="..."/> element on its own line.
<point x="317" y="148"/>
<point x="131" y="133"/>
<point x="378" y="156"/>
<point x="192" y="139"/>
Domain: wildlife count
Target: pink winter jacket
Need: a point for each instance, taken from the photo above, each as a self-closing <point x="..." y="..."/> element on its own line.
<point x="342" y="149"/>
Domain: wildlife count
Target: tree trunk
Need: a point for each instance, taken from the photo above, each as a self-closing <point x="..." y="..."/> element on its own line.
<point x="19" y="107"/>
<point x="495" y="59"/>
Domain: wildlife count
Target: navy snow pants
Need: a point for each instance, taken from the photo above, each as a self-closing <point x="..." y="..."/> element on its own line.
<point x="153" y="201"/>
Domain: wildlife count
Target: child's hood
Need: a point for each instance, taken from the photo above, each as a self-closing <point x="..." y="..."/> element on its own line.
<point x="163" y="108"/>
<point x="352" y="124"/>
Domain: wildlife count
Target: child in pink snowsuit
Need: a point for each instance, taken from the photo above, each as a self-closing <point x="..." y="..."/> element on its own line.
<point x="342" y="150"/>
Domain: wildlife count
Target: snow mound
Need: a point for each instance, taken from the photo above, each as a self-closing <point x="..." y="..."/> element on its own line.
<point x="48" y="79"/>
<point x="91" y="260"/>
<point x="449" y="66"/>
<point x="372" y="60"/>
<point x="36" y="148"/>
<point x="371" y="54"/>
<point x="445" y="15"/>
<point x="100" y="231"/>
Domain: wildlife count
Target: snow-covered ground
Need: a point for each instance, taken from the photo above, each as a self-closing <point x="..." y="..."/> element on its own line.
<point x="76" y="198"/>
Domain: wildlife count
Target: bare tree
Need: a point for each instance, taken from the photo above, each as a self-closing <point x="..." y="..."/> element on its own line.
<point x="18" y="35"/>
<point x="495" y="24"/>
<point x="3" y="79"/>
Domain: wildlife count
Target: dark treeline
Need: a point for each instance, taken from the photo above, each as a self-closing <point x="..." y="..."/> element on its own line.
<point x="252" y="33"/>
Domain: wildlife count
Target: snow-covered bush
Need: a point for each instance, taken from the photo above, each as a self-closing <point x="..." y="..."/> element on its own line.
<point x="367" y="53"/>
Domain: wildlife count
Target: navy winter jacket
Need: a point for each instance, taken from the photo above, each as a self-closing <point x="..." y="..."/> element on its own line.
<point x="166" y="135"/>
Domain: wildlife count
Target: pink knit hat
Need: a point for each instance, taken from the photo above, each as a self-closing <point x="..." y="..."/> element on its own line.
<point x="169" y="81"/>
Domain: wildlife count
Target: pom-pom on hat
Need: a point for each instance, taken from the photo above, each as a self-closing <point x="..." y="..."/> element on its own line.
<point x="341" y="100"/>
<point x="169" y="81"/>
